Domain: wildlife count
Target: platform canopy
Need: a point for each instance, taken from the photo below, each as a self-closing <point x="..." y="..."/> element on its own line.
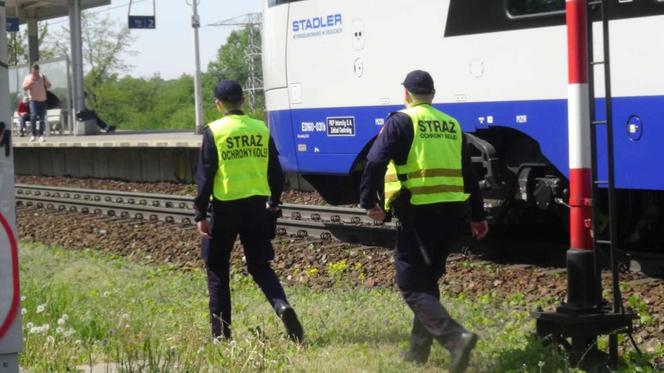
<point x="45" y="9"/>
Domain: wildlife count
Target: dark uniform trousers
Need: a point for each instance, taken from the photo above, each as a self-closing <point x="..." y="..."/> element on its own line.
<point x="434" y="227"/>
<point x="248" y="218"/>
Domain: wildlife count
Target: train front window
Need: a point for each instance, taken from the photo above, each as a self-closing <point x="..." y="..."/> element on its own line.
<point x="518" y="8"/>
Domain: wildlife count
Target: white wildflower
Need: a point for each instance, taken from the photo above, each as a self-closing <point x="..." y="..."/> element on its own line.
<point x="23" y="298"/>
<point x="540" y="364"/>
<point x="77" y="342"/>
<point x="29" y="325"/>
<point x="39" y="329"/>
<point x="106" y="294"/>
<point x="60" y="330"/>
<point x="41" y="308"/>
<point x="61" y="321"/>
<point x="65" y="317"/>
<point x="69" y="333"/>
<point x="24" y="311"/>
<point x="50" y="339"/>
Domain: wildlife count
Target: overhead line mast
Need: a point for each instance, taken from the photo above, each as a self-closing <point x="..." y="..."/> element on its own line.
<point x="252" y="54"/>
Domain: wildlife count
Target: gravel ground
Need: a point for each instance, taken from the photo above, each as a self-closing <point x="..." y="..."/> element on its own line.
<point x="291" y="196"/>
<point x="325" y="264"/>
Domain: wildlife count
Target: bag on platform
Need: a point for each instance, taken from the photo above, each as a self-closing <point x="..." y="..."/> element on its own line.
<point x="52" y="101"/>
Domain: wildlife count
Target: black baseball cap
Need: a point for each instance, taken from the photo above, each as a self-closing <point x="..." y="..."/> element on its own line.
<point x="228" y="90"/>
<point x="419" y="82"/>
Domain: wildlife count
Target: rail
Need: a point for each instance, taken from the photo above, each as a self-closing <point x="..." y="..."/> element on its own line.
<point x="323" y="222"/>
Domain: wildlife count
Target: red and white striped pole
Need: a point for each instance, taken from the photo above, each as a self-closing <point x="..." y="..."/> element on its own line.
<point x="580" y="259"/>
<point x="578" y="117"/>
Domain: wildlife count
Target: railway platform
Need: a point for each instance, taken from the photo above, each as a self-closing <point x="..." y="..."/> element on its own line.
<point x="126" y="155"/>
<point x="120" y="139"/>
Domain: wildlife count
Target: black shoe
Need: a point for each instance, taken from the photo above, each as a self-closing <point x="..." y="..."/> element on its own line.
<point x="460" y="354"/>
<point x="110" y="129"/>
<point x="413" y="356"/>
<point x="293" y="327"/>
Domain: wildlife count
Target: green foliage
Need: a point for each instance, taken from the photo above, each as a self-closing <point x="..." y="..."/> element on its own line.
<point x="235" y="60"/>
<point x="337" y="269"/>
<point x="155" y="103"/>
<point x="17" y="46"/>
<point x="137" y="103"/>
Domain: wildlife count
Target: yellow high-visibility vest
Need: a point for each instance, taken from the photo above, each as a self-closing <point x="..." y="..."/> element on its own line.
<point x="243" y="151"/>
<point x="432" y="172"/>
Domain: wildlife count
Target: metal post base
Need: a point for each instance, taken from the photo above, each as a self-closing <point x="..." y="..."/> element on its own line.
<point x="584" y="316"/>
<point x="9" y="363"/>
<point x="583" y="329"/>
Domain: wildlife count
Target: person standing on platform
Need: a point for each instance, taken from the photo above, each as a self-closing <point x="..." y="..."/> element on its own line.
<point x="423" y="160"/>
<point x="23" y="112"/>
<point x="239" y="168"/>
<point x="36" y="84"/>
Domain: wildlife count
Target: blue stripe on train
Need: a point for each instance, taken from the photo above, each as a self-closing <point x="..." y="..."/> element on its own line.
<point x="306" y="147"/>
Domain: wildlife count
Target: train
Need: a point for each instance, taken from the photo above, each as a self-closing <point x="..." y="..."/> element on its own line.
<point x="333" y="72"/>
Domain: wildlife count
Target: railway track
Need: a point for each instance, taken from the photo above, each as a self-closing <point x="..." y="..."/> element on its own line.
<point x="324" y="222"/>
<point x="319" y="222"/>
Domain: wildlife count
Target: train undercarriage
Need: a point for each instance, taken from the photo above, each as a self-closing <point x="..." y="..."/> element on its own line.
<point x="526" y="196"/>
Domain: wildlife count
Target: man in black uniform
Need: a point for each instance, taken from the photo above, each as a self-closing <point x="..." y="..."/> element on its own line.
<point x="238" y="167"/>
<point x="431" y="166"/>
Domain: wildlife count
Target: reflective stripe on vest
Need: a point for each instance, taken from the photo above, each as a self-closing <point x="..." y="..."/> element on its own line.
<point x="432" y="172"/>
<point x="243" y="152"/>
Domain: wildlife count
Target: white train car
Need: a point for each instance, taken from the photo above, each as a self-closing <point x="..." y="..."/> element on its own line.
<point x="332" y="73"/>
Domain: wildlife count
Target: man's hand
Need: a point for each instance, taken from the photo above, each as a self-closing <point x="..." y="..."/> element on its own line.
<point x="204" y="229"/>
<point x="376" y="213"/>
<point x="479" y="229"/>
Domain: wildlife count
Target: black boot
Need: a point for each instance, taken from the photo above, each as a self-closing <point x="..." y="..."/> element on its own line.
<point x="414" y="355"/>
<point x="420" y="344"/>
<point x="293" y="327"/>
<point x="460" y="352"/>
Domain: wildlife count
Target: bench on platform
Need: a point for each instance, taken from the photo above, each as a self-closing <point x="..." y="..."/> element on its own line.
<point x="56" y="121"/>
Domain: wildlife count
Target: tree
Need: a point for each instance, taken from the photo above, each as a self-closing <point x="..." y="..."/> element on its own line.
<point x="239" y="59"/>
<point x="17" y="46"/>
<point x="104" y="43"/>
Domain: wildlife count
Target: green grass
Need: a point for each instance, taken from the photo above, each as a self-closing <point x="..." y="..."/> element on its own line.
<point x="153" y="319"/>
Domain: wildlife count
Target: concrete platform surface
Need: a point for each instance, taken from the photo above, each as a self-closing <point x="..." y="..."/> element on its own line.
<point x="121" y="139"/>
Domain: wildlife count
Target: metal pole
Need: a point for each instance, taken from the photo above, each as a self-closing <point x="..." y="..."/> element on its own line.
<point x="10" y="315"/>
<point x="613" y="223"/>
<point x="76" y="56"/>
<point x="195" y="24"/>
<point x="581" y="283"/>
<point x="579" y="127"/>
<point x="593" y="149"/>
<point x="33" y="41"/>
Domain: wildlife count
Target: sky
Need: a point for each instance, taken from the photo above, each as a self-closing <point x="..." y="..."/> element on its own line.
<point x="168" y="50"/>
